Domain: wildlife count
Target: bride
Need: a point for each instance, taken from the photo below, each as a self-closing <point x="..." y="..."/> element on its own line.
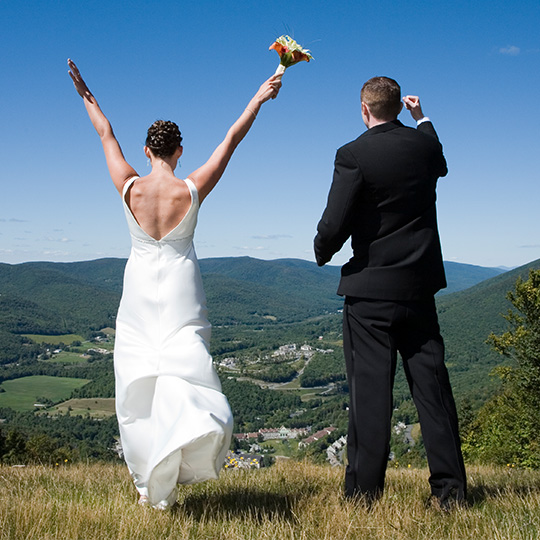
<point x="175" y="424"/>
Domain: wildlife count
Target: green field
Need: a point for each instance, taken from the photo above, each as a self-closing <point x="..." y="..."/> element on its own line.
<point x="68" y="358"/>
<point x="288" y="448"/>
<point x="68" y="339"/>
<point x="20" y="394"/>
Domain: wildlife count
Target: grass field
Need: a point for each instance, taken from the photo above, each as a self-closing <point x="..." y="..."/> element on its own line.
<point x="94" y="407"/>
<point x="66" y="357"/>
<point x="288" y="448"/>
<point x="291" y="500"/>
<point x="20" y="394"/>
<point x="67" y="339"/>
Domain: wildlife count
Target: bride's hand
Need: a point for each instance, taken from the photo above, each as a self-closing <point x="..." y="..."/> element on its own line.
<point x="78" y="81"/>
<point x="269" y="89"/>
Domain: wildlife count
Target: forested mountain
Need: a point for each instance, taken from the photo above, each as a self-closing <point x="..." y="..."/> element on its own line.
<point x="44" y="297"/>
<point x="462" y="276"/>
<point x="256" y="307"/>
<point x="57" y="298"/>
<point x="466" y="319"/>
<point x="249" y="291"/>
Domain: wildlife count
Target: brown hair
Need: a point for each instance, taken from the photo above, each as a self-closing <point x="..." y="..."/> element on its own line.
<point x="383" y="97"/>
<point x="163" y="138"/>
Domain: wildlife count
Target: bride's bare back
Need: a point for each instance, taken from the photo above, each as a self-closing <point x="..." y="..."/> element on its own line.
<point x="158" y="203"/>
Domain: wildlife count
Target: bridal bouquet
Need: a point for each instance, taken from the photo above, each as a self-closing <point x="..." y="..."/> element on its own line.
<point x="289" y="52"/>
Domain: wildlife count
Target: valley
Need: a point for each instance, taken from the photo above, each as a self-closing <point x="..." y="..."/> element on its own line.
<point x="276" y="342"/>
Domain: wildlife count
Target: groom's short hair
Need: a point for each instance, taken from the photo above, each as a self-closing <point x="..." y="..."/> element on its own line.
<point x="383" y="97"/>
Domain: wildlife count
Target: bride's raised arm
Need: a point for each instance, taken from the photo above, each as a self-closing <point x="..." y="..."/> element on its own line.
<point x="119" y="169"/>
<point x="206" y="177"/>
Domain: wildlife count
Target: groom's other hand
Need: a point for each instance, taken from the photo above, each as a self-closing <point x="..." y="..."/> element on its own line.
<point x="412" y="103"/>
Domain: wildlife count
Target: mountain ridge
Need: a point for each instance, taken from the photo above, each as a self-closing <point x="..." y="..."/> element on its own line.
<point x="84" y="295"/>
<point x="292" y="297"/>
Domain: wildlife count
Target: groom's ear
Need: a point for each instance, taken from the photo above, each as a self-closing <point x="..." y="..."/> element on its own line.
<point x="400" y="108"/>
<point x="366" y="114"/>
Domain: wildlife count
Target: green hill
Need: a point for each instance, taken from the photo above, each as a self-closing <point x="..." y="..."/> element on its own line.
<point x="462" y="276"/>
<point x="63" y="297"/>
<point x="252" y="291"/>
<point x="74" y="304"/>
<point x="466" y="319"/>
<point x="104" y="274"/>
<point x="287" y="297"/>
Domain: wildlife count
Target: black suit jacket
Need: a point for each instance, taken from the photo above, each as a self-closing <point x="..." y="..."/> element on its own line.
<point x="383" y="198"/>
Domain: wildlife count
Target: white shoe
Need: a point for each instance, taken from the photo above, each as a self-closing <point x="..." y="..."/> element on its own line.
<point x="162" y="505"/>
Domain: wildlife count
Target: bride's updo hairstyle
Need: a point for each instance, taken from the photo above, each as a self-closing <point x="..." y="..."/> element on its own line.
<point x="163" y="138"/>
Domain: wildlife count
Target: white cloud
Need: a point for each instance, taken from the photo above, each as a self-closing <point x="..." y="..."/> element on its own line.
<point x="271" y="236"/>
<point x="62" y="240"/>
<point x="510" y="50"/>
<point x="250" y="248"/>
<point x="54" y="252"/>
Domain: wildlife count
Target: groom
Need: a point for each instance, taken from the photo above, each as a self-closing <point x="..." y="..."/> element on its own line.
<point x="383" y="198"/>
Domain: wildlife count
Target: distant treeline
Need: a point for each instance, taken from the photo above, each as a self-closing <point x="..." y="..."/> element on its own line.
<point x="31" y="438"/>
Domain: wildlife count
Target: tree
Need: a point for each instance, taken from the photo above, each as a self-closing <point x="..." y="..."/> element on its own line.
<point x="2" y="444"/>
<point x="41" y="448"/>
<point x="522" y="341"/>
<point x="507" y="428"/>
<point x="14" y="448"/>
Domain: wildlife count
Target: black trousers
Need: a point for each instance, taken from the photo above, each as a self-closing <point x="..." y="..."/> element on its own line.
<point x="374" y="331"/>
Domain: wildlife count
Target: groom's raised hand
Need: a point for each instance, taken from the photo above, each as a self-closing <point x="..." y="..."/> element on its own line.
<point x="412" y="103"/>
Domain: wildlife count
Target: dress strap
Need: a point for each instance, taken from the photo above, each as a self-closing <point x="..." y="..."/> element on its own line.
<point x="193" y="190"/>
<point x="127" y="185"/>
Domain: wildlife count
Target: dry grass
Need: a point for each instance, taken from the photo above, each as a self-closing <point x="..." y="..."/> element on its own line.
<point x="288" y="501"/>
<point x="94" y="407"/>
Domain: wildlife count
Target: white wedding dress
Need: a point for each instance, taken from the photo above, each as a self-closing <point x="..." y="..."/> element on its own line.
<point x="175" y="424"/>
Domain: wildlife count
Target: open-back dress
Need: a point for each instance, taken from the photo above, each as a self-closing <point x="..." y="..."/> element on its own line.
<point x="175" y="424"/>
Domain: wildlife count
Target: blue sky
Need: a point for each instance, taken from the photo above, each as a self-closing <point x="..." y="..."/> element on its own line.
<point x="475" y="66"/>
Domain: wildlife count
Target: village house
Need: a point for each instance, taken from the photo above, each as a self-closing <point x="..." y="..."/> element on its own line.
<point x="286" y="350"/>
<point x="228" y="363"/>
<point x="246" y="436"/>
<point x="283" y="433"/>
<point x="334" y="453"/>
<point x="316" y="436"/>
<point x="267" y="434"/>
<point x="100" y="350"/>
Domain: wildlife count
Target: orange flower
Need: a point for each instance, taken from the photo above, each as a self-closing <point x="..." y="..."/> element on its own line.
<point x="290" y="53"/>
<point x="278" y="47"/>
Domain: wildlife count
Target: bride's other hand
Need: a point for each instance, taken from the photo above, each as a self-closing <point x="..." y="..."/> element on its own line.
<point x="119" y="169"/>
<point x="78" y="81"/>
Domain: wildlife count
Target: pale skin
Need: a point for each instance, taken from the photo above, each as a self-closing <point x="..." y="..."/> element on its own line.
<point x="160" y="200"/>
<point x="412" y="104"/>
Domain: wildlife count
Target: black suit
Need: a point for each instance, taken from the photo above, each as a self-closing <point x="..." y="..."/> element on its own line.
<point x="383" y="198"/>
